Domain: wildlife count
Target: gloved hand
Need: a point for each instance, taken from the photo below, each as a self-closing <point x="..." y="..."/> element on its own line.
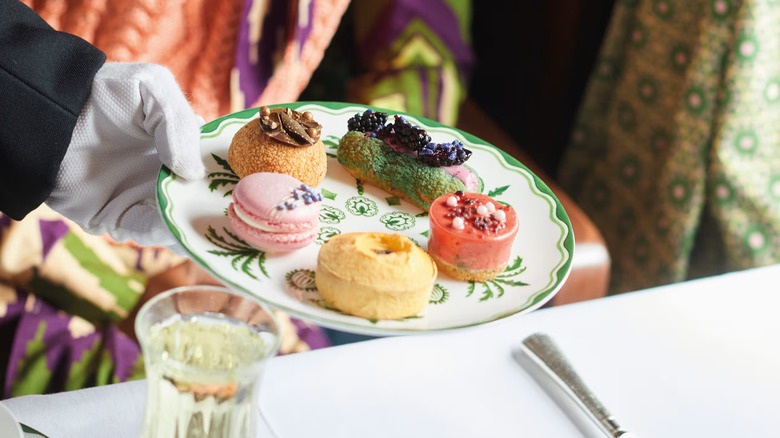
<point x="135" y="120"/>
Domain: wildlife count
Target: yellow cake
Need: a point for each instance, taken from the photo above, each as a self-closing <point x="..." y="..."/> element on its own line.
<point x="375" y="275"/>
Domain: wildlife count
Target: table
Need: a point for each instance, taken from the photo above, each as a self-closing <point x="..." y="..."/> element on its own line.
<point x="693" y="359"/>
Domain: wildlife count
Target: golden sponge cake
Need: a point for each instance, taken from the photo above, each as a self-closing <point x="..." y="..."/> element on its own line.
<point x="281" y="140"/>
<point x="375" y="275"/>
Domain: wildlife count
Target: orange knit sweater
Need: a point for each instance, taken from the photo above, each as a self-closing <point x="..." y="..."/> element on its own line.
<point x="196" y="40"/>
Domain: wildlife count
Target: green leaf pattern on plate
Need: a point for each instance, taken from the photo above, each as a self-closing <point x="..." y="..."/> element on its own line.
<point x="222" y="179"/>
<point x="361" y="206"/>
<point x="331" y="142"/>
<point x="397" y="220"/>
<point x="495" y="288"/>
<point x="302" y="282"/>
<point x="439" y="295"/>
<point x="301" y="279"/>
<point x="331" y="215"/>
<point x="325" y="233"/>
<point x="328" y="194"/>
<point x="241" y="253"/>
<point x="498" y="191"/>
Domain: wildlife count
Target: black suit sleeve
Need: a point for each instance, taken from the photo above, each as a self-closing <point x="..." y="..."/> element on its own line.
<point x="45" y="79"/>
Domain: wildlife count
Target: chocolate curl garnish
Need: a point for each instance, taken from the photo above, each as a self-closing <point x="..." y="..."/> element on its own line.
<point x="289" y="126"/>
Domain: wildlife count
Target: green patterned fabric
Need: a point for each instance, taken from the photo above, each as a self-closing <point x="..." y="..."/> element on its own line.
<point x="415" y="57"/>
<point x="676" y="149"/>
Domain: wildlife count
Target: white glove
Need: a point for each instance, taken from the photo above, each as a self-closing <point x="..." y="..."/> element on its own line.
<point x="135" y="120"/>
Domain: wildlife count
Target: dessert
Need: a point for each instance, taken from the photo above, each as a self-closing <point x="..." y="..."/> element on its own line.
<point x="401" y="159"/>
<point x="371" y="160"/>
<point x="375" y="275"/>
<point x="274" y="212"/>
<point x="471" y="235"/>
<point x="281" y="140"/>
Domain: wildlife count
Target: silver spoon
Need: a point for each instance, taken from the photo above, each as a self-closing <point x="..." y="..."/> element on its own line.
<point x="545" y="361"/>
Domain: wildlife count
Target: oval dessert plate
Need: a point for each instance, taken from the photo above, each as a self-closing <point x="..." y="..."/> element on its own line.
<point x="195" y="211"/>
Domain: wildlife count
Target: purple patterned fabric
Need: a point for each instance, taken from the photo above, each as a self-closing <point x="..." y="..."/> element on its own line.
<point x="44" y="333"/>
<point x="50" y="349"/>
<point x="254" y="59"/>
<point x="437" y="15"/>
<point x="312" y="335"/>
<point x="40" y="317"/>
<point x="302" y="32"/>
<point x="51" y="233"/>
<point x="413" y="56"/>
<point x="9" y="321"/>
<point x="125" y="353"/>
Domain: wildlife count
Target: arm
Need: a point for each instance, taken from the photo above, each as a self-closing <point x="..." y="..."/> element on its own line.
<point x="45" y="79"/>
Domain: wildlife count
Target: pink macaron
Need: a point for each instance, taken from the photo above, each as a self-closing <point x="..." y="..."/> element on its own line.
<point x="275" y="212"/>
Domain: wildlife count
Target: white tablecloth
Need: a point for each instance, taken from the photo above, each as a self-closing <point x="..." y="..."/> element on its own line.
<point x="697" y="359"/>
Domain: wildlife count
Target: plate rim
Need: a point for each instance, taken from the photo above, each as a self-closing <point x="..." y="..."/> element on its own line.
<point x="5" y="411"/>
<point x="537" y="300"/>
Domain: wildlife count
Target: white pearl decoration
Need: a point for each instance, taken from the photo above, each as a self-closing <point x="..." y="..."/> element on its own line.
<point x="482" y="210"/>
<point x="458" y="223"/>
<point x="452" y="201"/>
<point x="499" y="216"/>
<point x="491" y="207"/>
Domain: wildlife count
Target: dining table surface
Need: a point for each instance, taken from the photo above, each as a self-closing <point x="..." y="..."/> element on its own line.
<point x="694" y="359"/>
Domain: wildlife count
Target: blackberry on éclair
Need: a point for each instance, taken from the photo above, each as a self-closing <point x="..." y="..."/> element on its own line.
<point x="409" y="135"/>
<point x="444" y="154"/>
<point x="368" y="121"/>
